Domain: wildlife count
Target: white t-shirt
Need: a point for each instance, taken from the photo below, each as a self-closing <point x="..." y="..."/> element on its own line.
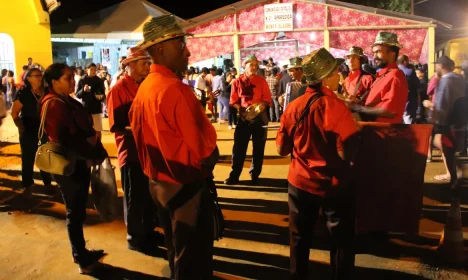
<point x="200" y="84"/>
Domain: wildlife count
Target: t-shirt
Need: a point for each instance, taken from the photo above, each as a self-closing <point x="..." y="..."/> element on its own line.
<point x="90" y="102"/>
<point x="30" y="112"/>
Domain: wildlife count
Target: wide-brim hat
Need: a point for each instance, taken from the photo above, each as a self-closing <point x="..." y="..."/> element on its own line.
<point x="319" y="65"/>
<point x="249" y="59"/>
<point x="295" y="62"/>
<point x="134" y="54"/>
<point x="160" y="29"/>
<point x="387" y="39"/>
<point x="356" y="51"/>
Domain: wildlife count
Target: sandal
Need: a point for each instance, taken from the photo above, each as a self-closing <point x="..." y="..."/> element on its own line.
<point x="442" y="178"/>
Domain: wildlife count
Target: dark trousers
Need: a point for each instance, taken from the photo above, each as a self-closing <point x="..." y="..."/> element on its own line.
<point x="232" y="116"/>
<point x="139" y="208"/>
<point x="74" y="191"/>
<point x="29" y="144"/>
<point x="244" y="130"/>
<point x="188" y="230"/>
<point x="303" y="213"/>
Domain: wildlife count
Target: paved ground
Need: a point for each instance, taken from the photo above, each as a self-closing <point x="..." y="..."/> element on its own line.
<point x="33" y="239"/>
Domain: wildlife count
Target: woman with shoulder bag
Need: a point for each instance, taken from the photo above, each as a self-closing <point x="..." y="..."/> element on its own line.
<point x="69" y="125"/>
<point x="25" y="115"/>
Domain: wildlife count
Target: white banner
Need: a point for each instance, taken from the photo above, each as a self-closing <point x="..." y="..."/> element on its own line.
<point x="278" y="17"/>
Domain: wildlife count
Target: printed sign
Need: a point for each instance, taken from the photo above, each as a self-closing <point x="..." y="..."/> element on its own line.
<point x="278" y="17"/>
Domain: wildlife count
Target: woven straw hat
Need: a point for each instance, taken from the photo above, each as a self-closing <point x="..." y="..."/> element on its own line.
<point x="319" y="65"/>
<point x="160" y="29"/>
<point x="387" y="39"/>
<point x="295" y="62"/>
<point x="249" y="59"/>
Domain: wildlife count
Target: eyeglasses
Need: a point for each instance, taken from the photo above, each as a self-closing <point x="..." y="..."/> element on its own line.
<point x="183" y="43"/>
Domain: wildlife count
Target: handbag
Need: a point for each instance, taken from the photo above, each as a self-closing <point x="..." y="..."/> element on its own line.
<point x="53" y="157"/>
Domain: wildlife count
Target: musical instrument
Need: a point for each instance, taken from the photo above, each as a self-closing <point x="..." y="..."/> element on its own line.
<point x="254" y="111"/>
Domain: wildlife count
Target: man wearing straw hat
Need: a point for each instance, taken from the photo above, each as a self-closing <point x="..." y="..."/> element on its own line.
<point x="247" y="90"/>
<point x="139" y="209"/>
<point x="387" y="98"/>
<point x="293" y="88"/>
<point x="357" y="84"/>
<point x="318" y="130"/>
<point x="176" y="145"/>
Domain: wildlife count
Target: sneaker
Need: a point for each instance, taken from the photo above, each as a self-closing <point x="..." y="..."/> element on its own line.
<point x="229" y="126"/>
<point x="27" y="192"/>
<point x="92" y="255"/>
<point x="50" y="190"/>
<point x="87" y="268"/>
<point x="231" y="181"/>
<point x="254" y="180"/>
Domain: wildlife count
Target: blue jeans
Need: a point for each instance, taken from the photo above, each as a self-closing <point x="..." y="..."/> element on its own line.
<point x="275" y="110"/>
<point x="223" y="104"/>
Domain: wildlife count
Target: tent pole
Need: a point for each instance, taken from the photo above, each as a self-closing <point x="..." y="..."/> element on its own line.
<point x="326" y="32"/>
<point x="431" y="52"/>
<point x="235" y="41"/>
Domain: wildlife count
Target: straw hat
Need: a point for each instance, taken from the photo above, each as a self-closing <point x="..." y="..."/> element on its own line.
<point x="249" y="59"/>
<point x="295" y="62"/>
<point x="319" y="65"/>
<point x="387" y="39"/>
<point x="160" y="29"/>
<point x="134" y="54"/>
<point x="356" y="51"/>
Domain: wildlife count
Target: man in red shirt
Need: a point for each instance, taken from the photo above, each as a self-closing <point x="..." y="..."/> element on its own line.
<point x="387" y="98"/>
<point x="317" y="130"/>
<point x="138" y="206"/>
<point x="176" y="145"/>
<point x="246" y="90"/>
<point x="358" y="83"/>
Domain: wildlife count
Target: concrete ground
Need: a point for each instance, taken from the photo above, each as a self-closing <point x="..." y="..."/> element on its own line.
<point x="34" y="244"/>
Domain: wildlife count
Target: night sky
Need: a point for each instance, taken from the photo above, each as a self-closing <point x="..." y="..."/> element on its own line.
<point x="451" y="11"/>
<point x="74" y="9"/>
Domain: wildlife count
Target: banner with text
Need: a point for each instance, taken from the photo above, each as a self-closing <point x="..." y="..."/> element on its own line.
<point x="278" y="17"/>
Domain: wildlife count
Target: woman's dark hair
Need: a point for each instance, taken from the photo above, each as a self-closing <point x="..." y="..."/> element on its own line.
<point x="219" y="72"/>
<point x="53" y="72"/>
<point x="27" y="74"/>
<point x="11" y="73"/>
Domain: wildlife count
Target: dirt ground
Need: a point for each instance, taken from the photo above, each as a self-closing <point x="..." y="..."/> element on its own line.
<point x="34" y="244"/>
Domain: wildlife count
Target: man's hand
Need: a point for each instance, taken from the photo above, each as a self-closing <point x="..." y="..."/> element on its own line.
<point x="87" y="88"/>
<point x="99" y="97"/>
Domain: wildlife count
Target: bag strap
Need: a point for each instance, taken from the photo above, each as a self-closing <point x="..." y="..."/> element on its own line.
<point x="41" y="126"/>
<point x="306" y="111"/>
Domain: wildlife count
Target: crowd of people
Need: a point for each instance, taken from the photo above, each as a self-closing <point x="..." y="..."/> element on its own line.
<point x="167" y="144"/>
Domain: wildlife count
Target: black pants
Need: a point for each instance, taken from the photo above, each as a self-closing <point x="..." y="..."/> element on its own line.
<point x="244" y="130"/>
<point x="29" y="144"/>
<point x="232" y="116"/>
<point x="303" y="213"/>
<point x="74" y="190"/>
<point x="139" y="208"/>
<point x="188" y="231"/>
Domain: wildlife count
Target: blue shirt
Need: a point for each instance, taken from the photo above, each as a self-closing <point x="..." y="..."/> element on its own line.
<point x="451" y="87"/>
<point x="217" y="83"/>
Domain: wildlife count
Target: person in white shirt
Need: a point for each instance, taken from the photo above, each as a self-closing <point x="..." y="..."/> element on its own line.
<point x="200" y="86"/>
